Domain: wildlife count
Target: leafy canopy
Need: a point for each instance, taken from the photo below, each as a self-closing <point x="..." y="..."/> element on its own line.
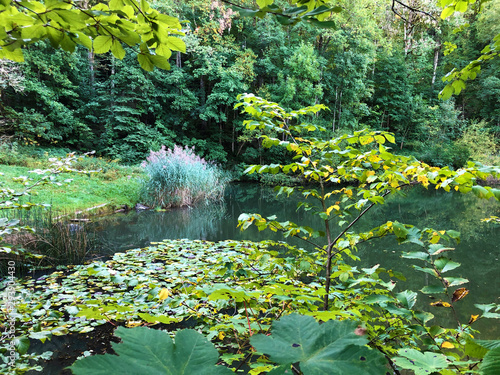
<point x="102" y="28"/>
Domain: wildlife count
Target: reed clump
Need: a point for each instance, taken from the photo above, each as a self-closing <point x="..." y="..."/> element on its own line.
<point x="178" y="177"/>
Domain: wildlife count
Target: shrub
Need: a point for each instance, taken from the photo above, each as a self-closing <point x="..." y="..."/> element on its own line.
<point x="480" y="143"/>
<point x="179" y="178"/>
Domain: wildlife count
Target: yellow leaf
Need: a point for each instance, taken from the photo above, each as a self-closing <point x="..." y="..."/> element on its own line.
<point x="133" y="324"/>
<point x="440" y="304"/>
<point x="164" y="294"/>
<point x="473" y="318"/>
<point x="221" y="335"/>
<point x="447" y="345"/>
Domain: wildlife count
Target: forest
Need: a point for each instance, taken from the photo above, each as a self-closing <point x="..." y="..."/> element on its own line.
<point x="378" y="65"/>
<point x="349" y="109"/>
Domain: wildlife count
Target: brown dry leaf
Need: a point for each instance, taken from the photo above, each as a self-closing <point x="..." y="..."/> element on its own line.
<point x="459" y="294"/>
<point x="440" y="304"/>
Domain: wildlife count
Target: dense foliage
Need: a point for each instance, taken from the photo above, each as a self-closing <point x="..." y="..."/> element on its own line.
<point x="372" y="67"/>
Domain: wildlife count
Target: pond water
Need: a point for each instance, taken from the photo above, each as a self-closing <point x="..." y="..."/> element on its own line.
<point x="478" y="251"/>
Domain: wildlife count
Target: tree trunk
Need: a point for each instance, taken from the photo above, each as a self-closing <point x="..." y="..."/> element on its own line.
<point x="436" y="60"/>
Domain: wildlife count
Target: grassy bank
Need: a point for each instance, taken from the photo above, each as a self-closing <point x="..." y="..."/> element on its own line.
<point x="115" y="185"/>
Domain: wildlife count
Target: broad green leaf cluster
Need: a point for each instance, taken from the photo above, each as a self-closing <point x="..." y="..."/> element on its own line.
<point x="101" y="28"/>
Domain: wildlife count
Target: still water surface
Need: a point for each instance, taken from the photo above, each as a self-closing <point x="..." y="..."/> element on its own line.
<point x="478" y="251"/>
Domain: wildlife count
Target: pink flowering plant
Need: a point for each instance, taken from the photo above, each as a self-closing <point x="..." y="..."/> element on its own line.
<point x="178" y="177"/>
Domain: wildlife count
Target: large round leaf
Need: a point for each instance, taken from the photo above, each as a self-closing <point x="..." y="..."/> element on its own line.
<point x="148" y="351"/>
<point x="330" y="348"/>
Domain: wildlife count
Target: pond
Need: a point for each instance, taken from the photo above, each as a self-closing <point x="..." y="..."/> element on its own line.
<point x="478" y="251"/>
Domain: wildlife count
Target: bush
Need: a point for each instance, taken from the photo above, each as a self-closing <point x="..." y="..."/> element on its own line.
<point x="480" y="143"/>
<point x="179" y="178"/>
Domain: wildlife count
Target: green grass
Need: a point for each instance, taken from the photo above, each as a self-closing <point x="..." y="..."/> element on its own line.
<point x="115" y="186"/>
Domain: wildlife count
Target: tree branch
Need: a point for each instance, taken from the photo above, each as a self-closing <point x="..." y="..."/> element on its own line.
<point x="409" y="8"/>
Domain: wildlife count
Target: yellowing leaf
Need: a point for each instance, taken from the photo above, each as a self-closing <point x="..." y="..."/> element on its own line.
<point x="164" y="294"/>
<point x="221" y="335"/>
<point x="459" y="294"/>
<point x="440" y="304"/>
<point x="447" y="345"/>
<point x="473" y="318"/>
<point x="132" y="324"/>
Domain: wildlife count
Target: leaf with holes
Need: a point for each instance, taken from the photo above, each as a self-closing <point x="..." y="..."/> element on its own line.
<point x="422" y="363"/>
<point x="148" y="351"/>
<point x="330" y="348"/>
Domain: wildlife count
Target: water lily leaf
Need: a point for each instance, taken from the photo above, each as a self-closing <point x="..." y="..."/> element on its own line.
<point x="330" y="348"/>
<point x="148" y="351"/>
<point x="422" y="363"/>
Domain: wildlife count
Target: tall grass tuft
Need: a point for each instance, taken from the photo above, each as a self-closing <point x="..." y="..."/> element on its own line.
<point x="52" y="242"/>
<point x="179" y="177"/>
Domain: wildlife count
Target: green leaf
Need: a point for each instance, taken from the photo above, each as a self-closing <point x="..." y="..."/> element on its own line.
<point x="474" y="349"/>
<point x="145" y="62"/>
<point x="176" y="44"/>
<point x="444" y="264"/>
<point x="481" y="192"/>
<point x="491" y="363"/>
<point x="416" y="255"/>
<point x="422" y="363"/>
<point x="295" y="10"/>
<point x="117" y="50"/>
<point x="400" y="230"/>
<point x="330" y="348"/>
<point x="160" y="62"/>
<point x="148" y="351"/>
<point x="447" y="92"/>
<point x="102" y="43"/>
<point x="430" y="271"/>
<point x="489" y="344"/>
<point x="376" y="298"/>
<point x="264" y="3"/>
<point x="447" y="12"/>
<point x="453" y="281"/>
<point x="22" y="344"/>
<point x="407" y="298"/>
<point x="432" y="289"/>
